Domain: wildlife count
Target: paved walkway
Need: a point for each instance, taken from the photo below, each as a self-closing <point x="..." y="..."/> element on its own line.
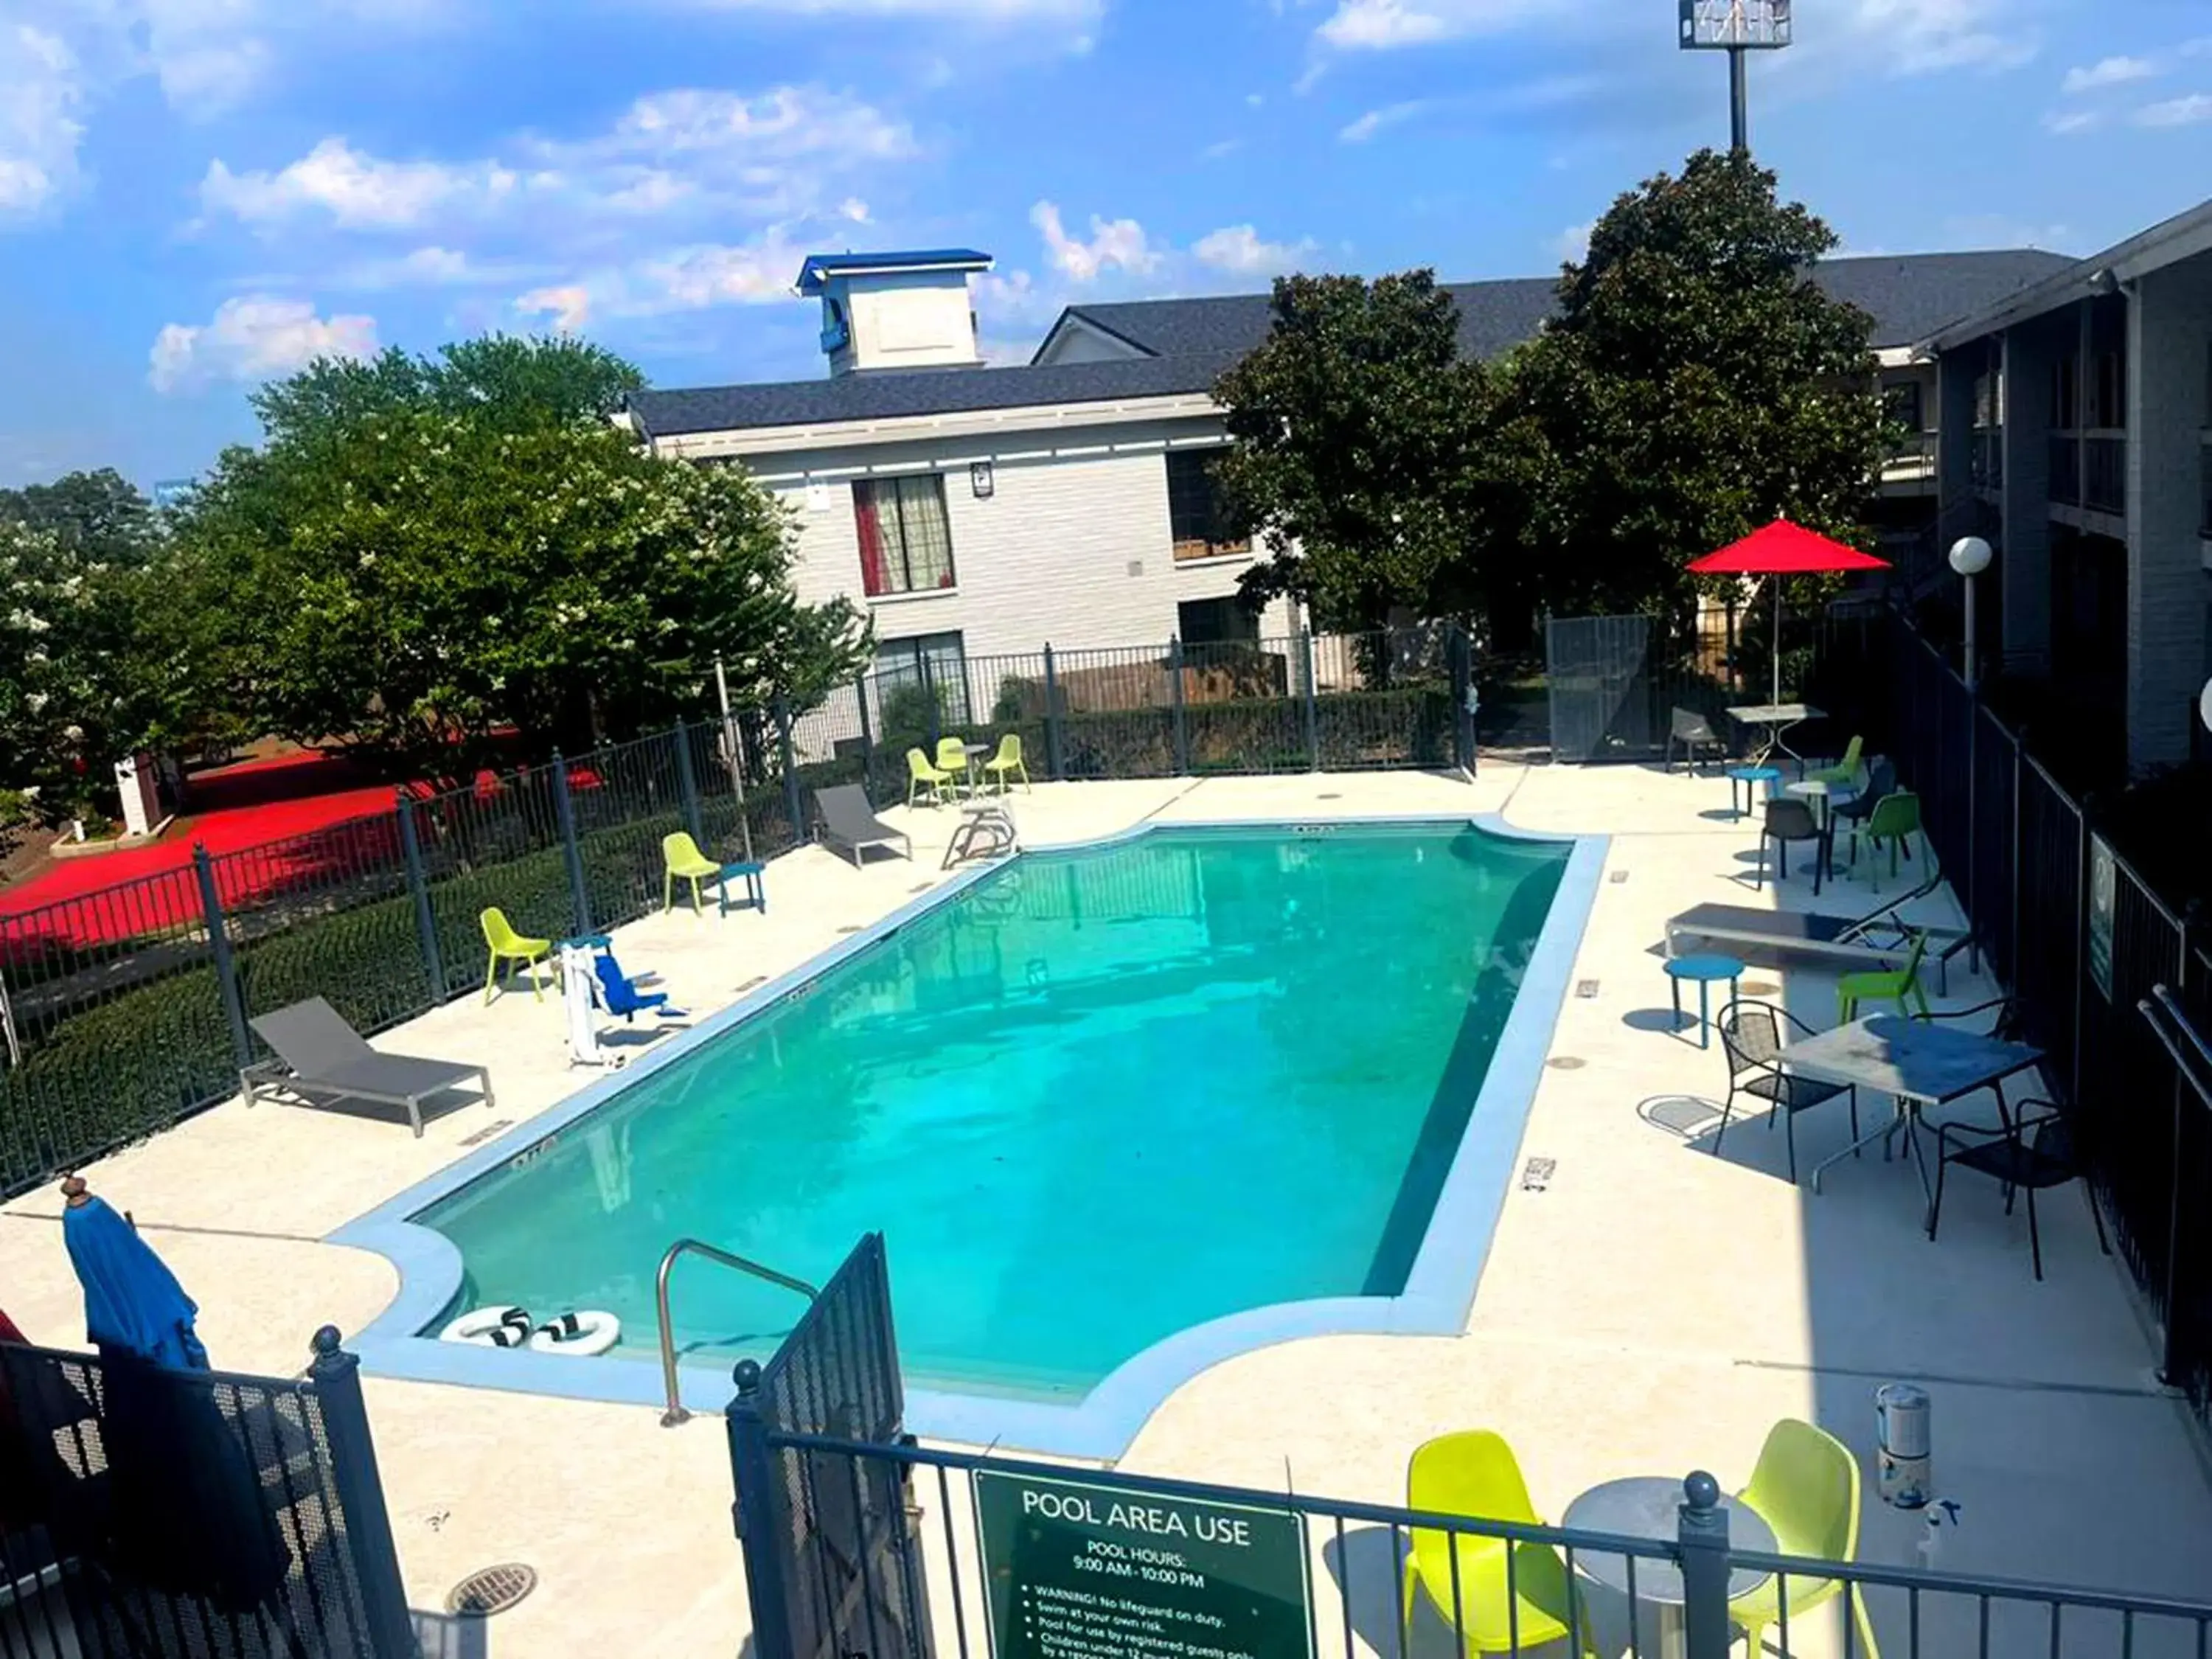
<point x="1652" y="1308"/>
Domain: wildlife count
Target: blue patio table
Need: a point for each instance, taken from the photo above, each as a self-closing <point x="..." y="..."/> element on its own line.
<point x="1746" y="779"/>
<point x="1704" y="970"/>
<point x="1919" y="1064"/>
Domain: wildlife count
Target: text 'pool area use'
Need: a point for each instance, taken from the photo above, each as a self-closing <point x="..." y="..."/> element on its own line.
<point x="1119" y="1110"/>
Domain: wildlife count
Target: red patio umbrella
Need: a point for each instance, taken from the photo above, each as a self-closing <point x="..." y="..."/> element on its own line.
<point x="1783" y="549"/>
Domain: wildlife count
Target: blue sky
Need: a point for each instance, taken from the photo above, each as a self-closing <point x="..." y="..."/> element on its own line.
<point x="196" y="194"/>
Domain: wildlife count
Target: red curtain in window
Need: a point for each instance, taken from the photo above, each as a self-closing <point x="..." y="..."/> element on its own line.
<point x="871" y="539"/>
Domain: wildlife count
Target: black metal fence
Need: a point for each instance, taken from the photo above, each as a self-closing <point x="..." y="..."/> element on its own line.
<point x="163" y="1514"/>
<point x="126" y="1009"/>
<point x="2083" y="940"/>
<point x="859" y="1541"/>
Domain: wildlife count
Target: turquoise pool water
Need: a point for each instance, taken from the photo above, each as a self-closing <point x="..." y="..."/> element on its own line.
<point x="1097" y="1098"/>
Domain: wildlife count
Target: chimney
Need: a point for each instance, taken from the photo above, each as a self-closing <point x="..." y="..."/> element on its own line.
<point x="885" y="311"/>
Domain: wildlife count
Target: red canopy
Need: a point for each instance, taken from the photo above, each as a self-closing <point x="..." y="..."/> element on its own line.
<point x="1783" y="549"/>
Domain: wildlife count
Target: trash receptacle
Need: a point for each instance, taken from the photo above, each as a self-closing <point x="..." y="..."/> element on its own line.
<point x="1901" y="1440"/>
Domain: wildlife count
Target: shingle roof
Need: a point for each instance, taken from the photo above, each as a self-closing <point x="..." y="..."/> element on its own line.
<point x="886" y="395"/>
<point x="1191" y="342"/>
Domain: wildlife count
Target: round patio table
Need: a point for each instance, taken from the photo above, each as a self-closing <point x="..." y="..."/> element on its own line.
<point x="1650" y="1506"/>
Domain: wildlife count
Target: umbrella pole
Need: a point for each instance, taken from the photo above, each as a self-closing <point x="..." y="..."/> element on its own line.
<point x="1778" y="639"/>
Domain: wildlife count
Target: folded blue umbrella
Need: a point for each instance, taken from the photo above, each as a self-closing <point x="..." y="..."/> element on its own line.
<point x="132" y="1303"/>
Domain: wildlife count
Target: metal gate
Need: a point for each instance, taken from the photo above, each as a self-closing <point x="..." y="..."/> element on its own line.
<point x="162" y="1514"/>
<point x="833" y="1560"/>
<point x="1615" y="684"/>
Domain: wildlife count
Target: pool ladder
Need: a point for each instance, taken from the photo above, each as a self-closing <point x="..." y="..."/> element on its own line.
<point x="682" y="1247"/>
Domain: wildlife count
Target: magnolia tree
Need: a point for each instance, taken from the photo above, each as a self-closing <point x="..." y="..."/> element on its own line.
<point x="426" y="552"/>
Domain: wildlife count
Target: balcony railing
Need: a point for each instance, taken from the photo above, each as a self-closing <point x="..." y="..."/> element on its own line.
<point x="1913" y="460"/>
<point x="2104" y="474"/>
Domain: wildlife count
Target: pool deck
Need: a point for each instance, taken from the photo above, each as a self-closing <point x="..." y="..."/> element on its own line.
<point x="1652" y="1308"/>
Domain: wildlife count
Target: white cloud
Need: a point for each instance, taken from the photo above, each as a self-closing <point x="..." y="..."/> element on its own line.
<point x="205" y="78"/>
<point x="971" y="11"/>
<point x="1220" y="148"/>
<point x="568" y="306"/>
<point x="2106" y="72"/>
<point x="1238" y="249"/>
<point x="2067" y="122"/>
<point x="251" y="338"/>
<point x="1571" y="245"/>
<point x="1359" y="132"/>
<point x="1927" y="36"/>
<point x="2186" y="111"/>
<point x="1119" y="242"/>
<point x="1379" y="24"/>
<point x="355" y="190"/>
<point x="40" y="93"/>
<point x="703" y="154"/>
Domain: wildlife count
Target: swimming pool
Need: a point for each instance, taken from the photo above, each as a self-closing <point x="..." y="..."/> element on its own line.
<point x="1097" y="1099"/>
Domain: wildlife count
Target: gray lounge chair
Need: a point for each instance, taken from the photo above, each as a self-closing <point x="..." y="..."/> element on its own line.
<point x="320" y="1057"/>
<point x="844" y="822"/>
<point x="1877" y="939"/>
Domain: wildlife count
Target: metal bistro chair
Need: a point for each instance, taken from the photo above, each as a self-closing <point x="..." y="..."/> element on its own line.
<point x="1692" y="730"/>
<point x="1852" y="815"/>
<point x="2033" y="1152"/>
<point x="1750" y="1032"/>
<point x="1789" y="819"/>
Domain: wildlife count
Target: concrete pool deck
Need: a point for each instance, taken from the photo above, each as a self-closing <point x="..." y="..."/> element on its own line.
<point x="1652" y="1308"/>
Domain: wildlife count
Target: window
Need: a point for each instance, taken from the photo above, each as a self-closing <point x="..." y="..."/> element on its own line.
<point x="1198" y="517"/>
<point x="909" y="670"/>
<point x="1217" y="621"/>
<point x="1902" y="403"/>
<point x="905" y="543"/>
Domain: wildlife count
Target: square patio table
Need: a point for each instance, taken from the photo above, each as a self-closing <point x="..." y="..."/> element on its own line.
<point x="1778" y="718"/>
<point x="1919" y="1064"/>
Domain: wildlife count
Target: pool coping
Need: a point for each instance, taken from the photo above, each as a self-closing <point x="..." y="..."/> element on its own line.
<point x="1439" y="1290"/>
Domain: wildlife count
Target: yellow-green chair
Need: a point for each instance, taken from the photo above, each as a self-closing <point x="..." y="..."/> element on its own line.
<point x="1898" y="985"/>
<point x="508" y="946"/>
<point x="925" y="780"/>
<point x="1806" y="1486"/>
<point x="1474" y="1474"/>
<point x="683" y="861"/>
<point x="952" y="760"/>
<point x="1007" y="763"/>
<point x="1845" y="770"/>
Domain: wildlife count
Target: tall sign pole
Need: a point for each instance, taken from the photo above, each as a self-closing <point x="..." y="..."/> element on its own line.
<point x="1736" y="28"/>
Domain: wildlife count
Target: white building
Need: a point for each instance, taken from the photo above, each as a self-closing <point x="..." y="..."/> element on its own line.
<point x="974" y="511"/>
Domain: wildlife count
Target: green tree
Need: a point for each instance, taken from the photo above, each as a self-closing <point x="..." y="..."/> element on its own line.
<point x="1359" y="453"/>
<point x="1694" y="386"/>
<point x="76" y="562"/>
<point x="427" y="550"/>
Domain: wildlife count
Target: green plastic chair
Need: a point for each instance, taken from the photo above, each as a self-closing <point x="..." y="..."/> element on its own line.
<point x="1845" y="770"/>
<point x="1897" y="985"/>
<point x="1806" y="1486"/>
<point x="1474" y="1474"/>
<point x="1007" y="763"/>
<point x="683" y="861"/>
<point x="925" y="781"/>
<point x="952" y="760"/>
<point x="508" y="946"/>
<point x="1896" y="820"/>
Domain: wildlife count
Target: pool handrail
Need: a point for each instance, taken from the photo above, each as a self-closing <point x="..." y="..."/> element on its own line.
<point x="676" y="1413"/>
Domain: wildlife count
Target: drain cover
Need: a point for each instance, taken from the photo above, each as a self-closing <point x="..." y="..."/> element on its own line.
<point x="1760" y="987"/>
<point x="1536" y="1174"/>
<point x="495" y="1589"/>
<point x="488" y="1132"/>
<point x="852" y="928"/>
<point x="1566" y="1062"/>
<point x="1330" y="794"/>
<point x="1618" y="877"/>
<point x="1585" y="987"/>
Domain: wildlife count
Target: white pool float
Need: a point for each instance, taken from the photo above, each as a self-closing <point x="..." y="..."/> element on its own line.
<point x="490" y="1328"/>
<point x="585" y="1333"/>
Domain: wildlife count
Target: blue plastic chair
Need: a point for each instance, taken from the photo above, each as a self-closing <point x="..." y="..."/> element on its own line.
<point x="621" y="995"/>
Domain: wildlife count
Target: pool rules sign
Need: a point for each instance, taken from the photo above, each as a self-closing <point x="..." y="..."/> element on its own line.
<point x="1074" y="1571"/>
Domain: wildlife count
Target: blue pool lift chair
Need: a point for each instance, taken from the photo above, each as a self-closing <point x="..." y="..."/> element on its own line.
<point x="619" y="994"/>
